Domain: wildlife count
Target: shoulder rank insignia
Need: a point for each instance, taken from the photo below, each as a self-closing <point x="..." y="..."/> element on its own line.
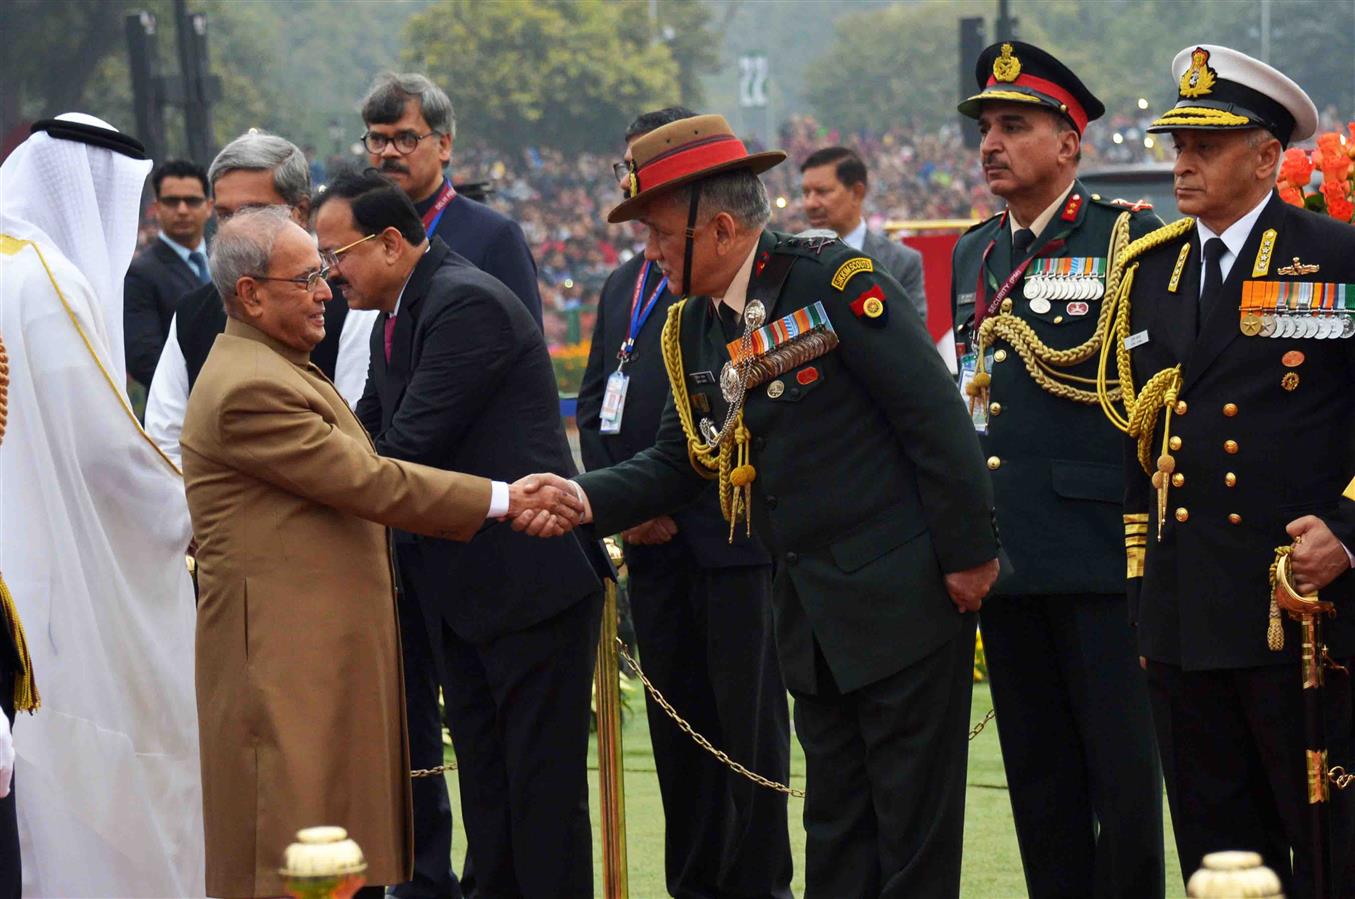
<point x="850" y="269"/>
<point x="870" y="306"/>
<point x="1261" y="267"/>
<point x="1180" y="267"/>
<point x="1198" y="80"/>
<point x="1006" y="67"/>
<point x="1298" y="268"/>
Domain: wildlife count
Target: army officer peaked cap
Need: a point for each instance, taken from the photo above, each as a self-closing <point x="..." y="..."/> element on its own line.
<point x="1220" y="89"/>
<point x="1017" y="72"/>
<point x="682" y="152"/>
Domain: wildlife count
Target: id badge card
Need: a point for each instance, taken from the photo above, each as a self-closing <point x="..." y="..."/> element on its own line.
<point x="978" y="414"/>
<point x="614" y="402"/>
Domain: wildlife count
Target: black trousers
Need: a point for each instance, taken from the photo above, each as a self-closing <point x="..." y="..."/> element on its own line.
<point x="1077" y="744"/>
<point x="434" y="877"/>
<point x="706" y="641"/>
<point x="519" y="710"/>
<point x="1232" y="745"/>
<point x="885" y="764"/>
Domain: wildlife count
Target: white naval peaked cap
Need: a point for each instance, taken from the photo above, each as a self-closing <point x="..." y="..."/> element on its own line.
<point x="1222" y="89"/>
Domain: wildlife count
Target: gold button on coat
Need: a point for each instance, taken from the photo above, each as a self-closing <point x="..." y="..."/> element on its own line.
<point x="1174" y="443"/>
<point x="994" y="463"/>
<point x="1182" y="513"/>
<point x="1230" y="409"/>
<point x="1000" y="356"/>
<point x="995" y="408"/>
<point x="1230" y="479"/>
<point x="1230" y="447"/>
<point x="1181" y="407"/>
<point x="1178" y="479"/>
<point x="1235" y="518"/>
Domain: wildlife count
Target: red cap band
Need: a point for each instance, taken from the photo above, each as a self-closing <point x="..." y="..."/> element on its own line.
<point x="693" y="157"/>
<point x="1050" y="89"/>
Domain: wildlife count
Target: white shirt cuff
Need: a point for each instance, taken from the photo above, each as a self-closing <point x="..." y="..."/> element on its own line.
<point x="498" y="499"/>
<point x="1349" y="555"/>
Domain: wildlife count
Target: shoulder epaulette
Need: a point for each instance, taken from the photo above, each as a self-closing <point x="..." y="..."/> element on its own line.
<point x="1122" y="205"/>
<point x="1156" y="238"/>
<point x="977" y="225"/>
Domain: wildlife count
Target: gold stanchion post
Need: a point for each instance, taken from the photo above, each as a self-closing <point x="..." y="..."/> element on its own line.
<point x="611" y="783"/>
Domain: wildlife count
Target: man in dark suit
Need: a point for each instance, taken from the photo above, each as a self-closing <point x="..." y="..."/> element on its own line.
<point x="1243" y="435"/>
<point x="1076" y="730"/>
<point x="702" y="610"/>
<point x="256" y="169"/>
<point x="835" y="431"/>
<point x="833" y="182"/>
<point x="167" y="269"/>
<point x="461" y="379"/>
<point x="410" y="129"/>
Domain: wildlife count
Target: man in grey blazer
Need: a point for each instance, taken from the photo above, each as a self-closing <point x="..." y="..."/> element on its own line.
<point x="833" y="181"/>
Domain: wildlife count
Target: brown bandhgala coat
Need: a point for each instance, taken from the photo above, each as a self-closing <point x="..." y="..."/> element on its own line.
<point x="299" y="682"/>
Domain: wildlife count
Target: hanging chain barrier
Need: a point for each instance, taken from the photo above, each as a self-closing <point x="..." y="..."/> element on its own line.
<point x="433" y="772"/>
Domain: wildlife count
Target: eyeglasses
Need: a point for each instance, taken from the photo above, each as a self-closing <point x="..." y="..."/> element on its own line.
<point x="310" y="280"/>
<point x="621" y="170"/>
<point x="331" y="257"/>
<point x="405" y="142"/>
<point x="173" y="202"/>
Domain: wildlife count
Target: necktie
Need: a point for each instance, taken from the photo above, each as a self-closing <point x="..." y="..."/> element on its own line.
<point x="390" y="332"/>
<point x="1021" y="241"/>
<point x="199" y="263"/>
<point x="1212" y="288"/>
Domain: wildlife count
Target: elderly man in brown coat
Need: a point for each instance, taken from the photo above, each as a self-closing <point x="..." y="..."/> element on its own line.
<point x="300" y="705"/>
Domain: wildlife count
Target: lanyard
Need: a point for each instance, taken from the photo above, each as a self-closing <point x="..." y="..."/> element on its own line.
<point x="434" y="213"/>
<point x="982" y="311"/>
<point x="639" y="312"/>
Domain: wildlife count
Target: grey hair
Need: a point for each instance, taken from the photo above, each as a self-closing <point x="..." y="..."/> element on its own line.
<point x="259" y="151"/>
<point x="243" y="247"/>
<point x="740" y="193"/>
<point x="385" y="101"/>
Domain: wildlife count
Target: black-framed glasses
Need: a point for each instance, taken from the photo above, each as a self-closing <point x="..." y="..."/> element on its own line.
<point x="331" y="257"/>
<point x="174" y="202"/>
<point x="405" y="142"/>
<point x="621" y="170"/>
<point x="310" y="280"/>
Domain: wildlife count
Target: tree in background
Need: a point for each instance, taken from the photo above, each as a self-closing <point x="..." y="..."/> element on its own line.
<point x="561" y="73"/>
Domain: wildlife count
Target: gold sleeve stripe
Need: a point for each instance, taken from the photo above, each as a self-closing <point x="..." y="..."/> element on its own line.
<point x="1134" y="563"/>
<point x="1136" y="541"/>
<point x="1131" y="529"/>
<point x="1350" y="490"/>
<point x="1135" y="517"/>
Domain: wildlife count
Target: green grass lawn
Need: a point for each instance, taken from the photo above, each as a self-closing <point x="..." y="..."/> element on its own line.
<point x="992" y="865"/>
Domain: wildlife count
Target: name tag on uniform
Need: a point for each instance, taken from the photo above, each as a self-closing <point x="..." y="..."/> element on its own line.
<point x="614" y="402"/>
<point x="1136" y="340"/>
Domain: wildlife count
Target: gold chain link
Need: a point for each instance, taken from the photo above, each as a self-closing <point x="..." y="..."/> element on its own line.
<point x="721" y="756"/>
<point x="1339" y="776"/>
<point x="433" y="772"/>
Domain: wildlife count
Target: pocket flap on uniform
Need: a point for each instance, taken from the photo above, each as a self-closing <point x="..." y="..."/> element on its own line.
<point x="892" y="528"/>
<point x="1088" y="480"/>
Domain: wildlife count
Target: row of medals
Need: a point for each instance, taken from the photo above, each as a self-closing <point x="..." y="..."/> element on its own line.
<point x="1317" y="325"/>
<point x="1040" y="289"/>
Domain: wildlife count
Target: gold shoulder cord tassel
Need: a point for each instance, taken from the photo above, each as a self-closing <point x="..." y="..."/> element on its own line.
<point x="26" y="696"/>
<point x="735" y="475"/>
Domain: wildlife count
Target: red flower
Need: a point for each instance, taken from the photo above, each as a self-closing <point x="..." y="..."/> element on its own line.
<point x="1291" y="195"/>
<point x="1297" y="168"/>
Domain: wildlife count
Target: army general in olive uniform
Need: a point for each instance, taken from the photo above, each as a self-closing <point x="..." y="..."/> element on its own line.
<point x="1072" y="708"/>
<point x="805" y="383"/>
<point x="1236" y="330"/>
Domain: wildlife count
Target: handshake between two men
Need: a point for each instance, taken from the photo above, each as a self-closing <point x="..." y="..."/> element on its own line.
<point x="546" y="505"/>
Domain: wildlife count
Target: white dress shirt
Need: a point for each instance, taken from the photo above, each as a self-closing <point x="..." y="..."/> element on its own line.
<point x="856" y="237"/>
<point x="1234" y="236"/>
<point x="184" y="252"/>
<point x="1043" y="219"/>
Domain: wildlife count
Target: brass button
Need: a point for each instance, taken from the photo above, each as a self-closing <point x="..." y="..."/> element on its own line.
<point x="994" y="463"/>
<point x="1230" y="479"/>
<point x="1230" y="409"/>
<point x="1178" y="479"/>
<point x="1058" y="319"/>
<point x="1174" y="443"/>
<point x="1230" y="447"/>
<point x="1007" y="305"/>
<point x="1182" y="513"/>
<point x="1181" y="407"/>
<point x="995" y="408"/>
<point x="1235" y="518"/>
<point x="1000" y="356"/>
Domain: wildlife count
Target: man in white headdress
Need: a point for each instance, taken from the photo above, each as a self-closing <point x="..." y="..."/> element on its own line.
<point x="93" y="527"/>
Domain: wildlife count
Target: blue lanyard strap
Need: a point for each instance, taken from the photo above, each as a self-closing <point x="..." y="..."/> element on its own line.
<point x="639" y="312"/>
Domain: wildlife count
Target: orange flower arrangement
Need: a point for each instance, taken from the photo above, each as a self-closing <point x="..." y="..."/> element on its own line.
<point x="1335" y="159"/>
